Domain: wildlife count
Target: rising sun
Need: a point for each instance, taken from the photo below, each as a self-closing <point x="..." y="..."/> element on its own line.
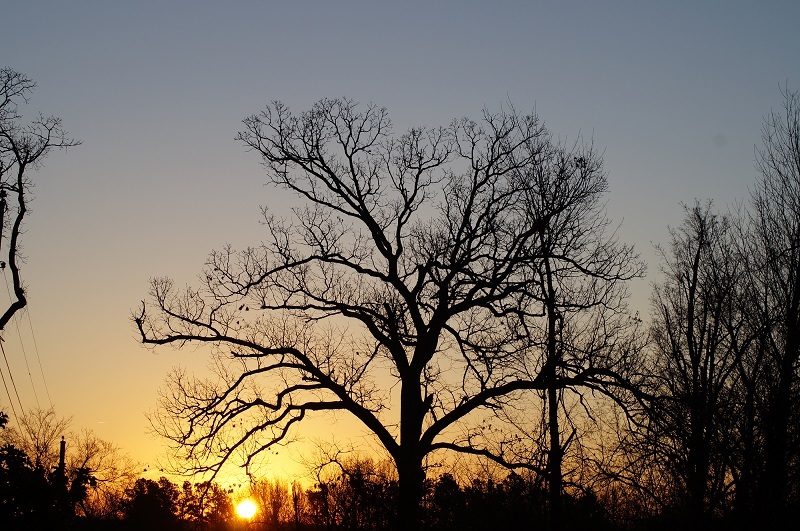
<point x="246" y="509"/>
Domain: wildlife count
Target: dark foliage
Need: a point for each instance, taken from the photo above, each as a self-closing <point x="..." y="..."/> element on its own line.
<point x="34" y="498"/>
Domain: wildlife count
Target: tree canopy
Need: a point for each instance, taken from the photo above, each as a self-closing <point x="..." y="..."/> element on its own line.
<point x="410" y="263"/>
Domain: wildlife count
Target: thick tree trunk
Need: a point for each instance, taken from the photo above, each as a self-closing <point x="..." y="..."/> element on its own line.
<point x="409" y="460"/>
<point x="412" y="477"/>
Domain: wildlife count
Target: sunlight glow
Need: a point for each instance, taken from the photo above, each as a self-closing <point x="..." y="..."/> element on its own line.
<point x="246" y="509"/>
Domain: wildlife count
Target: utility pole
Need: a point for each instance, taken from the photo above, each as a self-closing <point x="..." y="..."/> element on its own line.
<point x="61" y="458"/>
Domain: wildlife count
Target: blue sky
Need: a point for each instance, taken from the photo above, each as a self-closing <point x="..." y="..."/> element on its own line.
<point x="672" y="92"/>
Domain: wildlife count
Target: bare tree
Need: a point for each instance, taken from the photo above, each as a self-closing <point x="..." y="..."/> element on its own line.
<point x="775" y="224"/>
<point x="582" y="281"/>
<point x="578" y="322"/>
<point x="410" y="264"/>
<point x="23" y="148"/>
<point x="696" y="356"/>
<point x="110" y="470"/>
<point x="38" y="433"/>
<point x="273" y="497"/>
<point x="351" y="492"/>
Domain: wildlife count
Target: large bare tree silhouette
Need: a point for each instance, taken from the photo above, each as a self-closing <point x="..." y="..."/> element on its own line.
<point x="402" y="290"/>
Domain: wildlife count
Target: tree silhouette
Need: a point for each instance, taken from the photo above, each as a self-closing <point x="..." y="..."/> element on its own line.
<point x="410" y="264"/>
<point x="446" y="505"/>
<point x="775" y="232"/>
<point x="204" y="506"/>
<point x="353" y="494"/>
<point x="150" y="504"/>
<point x="697" y="333"/>
<point x="34" y="496"/>
<point x="23" y="148"/>
<point x="273" y="499"/>
<point x="92" y="464"/>
<point x="582" y="277"/>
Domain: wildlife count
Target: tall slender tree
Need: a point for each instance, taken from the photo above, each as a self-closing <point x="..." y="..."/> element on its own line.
<point x="695" y="359"/>
<point x="775" y="224"/>
<point x="582" y="279"/>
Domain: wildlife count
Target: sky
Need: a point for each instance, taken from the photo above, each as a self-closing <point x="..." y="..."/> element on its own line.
<point x="673" y="94"/>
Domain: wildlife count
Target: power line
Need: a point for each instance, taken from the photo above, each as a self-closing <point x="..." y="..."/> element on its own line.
<point x="11" y="377"/>
<point x="38" y="358"/>
<point x="10" y="401"/>
<point x="27" y="365"/>
<point x="22" y="345"/>
<point x="3" y="267"/>
<point x="19" y="333"/>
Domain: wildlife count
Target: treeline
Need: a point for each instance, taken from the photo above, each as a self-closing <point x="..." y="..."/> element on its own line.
<point x="719" y="438"/>
<point x="362" y="496"/>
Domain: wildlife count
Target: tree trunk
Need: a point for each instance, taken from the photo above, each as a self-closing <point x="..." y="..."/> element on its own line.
<point x="744" y="502"/>
<point x="411" y="475"/>
<point x="774" y="489"/>
<point x="555" y="517"/>
<point x="698" y="464"/>
<point x="776" y="444"/>
<point x="554" y="459"/>
<point x="412" y="479"/>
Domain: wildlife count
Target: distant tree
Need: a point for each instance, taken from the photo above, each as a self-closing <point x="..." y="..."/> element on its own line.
<point x="696" y="354"/>
<point x="446" y="505"/>
<point x="354" y="493"/>
<point x="516" y="502"/>
<point x="109" y="468"/>
<point x="38" y="433"/>
<point x="749" y="331"/>
<point x="299" y="504"/>
<point x="204" y="506"/>
<point x="33" y="497"/>
<point x="583" y="278"/>
<point x="410" y="265"/>
<point x="23" y="148"/>
<point x="273" y="499"/>
<point x="24" y="491"/>
<point x="775" y="247"/>
<point x="722" y="438"/>
<point x="150" y="504"/>
<point x="98" y="467"/>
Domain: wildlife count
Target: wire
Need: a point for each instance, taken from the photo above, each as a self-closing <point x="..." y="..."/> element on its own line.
<point x="22" y="345"/>
<point x="38" y="358"/>
<point x="3" y="266"/>
<point x="11" y="377"/>
<point x="27" y="366"/>
<point x="10" y="401"/>
<point x="16" y="322"/>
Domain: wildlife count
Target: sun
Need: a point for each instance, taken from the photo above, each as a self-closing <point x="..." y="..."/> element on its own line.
<point x="246" y="509"/>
